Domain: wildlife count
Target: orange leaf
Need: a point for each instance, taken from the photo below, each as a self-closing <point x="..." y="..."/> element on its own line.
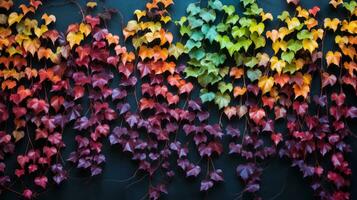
<point x="239" y="91"/>
<point x="281" y="79"/>
<point x="8" y="84"/>
<point x="236" y="72"/>
<point x="7" y="4"/>
<point x="230" y="111"/>
<point x="48" y="18"/>
<point x="26" y="9"/>
<point x="32" y="46"/>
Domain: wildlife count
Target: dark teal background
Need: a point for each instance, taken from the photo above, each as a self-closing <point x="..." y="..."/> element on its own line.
<point x="279" y="180"/>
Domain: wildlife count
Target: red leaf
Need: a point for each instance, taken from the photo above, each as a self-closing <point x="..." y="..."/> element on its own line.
<point x="314" y="10"/>
<point x="41" y="181"/>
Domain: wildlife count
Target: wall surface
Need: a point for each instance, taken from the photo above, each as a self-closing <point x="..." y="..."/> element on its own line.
<point x="279" y="181"/>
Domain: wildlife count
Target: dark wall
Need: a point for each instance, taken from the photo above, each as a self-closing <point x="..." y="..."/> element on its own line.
<point x="279" y="180"/>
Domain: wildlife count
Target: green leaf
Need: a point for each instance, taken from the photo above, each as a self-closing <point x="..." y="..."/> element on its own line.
<point x="245" y="22"/>
<point x="254" y="74"/>
<point x="288" y="56"/>
<point x="209" y="32"/>
<point x="191" y="72"/>
<point x="239" y="58"/>
<point x="193" y="9"/>
<point x="224" y="41"/>
<point x="222" y="100"/>
<point x="238" y="32"/>
<point x="294" y="45"/>
<point x="289" y="68"/>
<point x="247" y="2"/>
<point x="190" y="44"/>
<point x="251" y="62"/>
<point x="222" y="86"/>
<point x="259" y="41"/>
<point x="232" y="19"/>
<point x="350" y="6"/>
<point x="244" y="42"/>
<point x="176" y="49"/>
<point x="222" y="27"/>
<point x="197" y="54"/>
<point x="185" y="30"/>
<point x="253" y="10"/>
<point x="206" y="96"/>
<point x="304" y="34"/>
<point x="197" y="36"/>
<point x="229" y="10"/>
<point x="216" y="4"/>
<point x="207" y="15"/>
<point x="182" y="21"/>
<point x="258" y="28"/>
<point x="283" y="15"/>
<point x="194" y="22"/>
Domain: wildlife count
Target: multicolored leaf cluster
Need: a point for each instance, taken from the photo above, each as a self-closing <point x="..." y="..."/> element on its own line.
<point x="259" y="79"/>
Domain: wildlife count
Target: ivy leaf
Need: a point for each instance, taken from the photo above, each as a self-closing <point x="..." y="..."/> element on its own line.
<point x="259" y="40"/>
<point x="194" y="22"/>
<point x="216" y="4"/>
<point x="232" y="19"/>
<point x="238" y="32"/>
<point x="229" y="10"/>
<point x="265" y="83"/>
<point x="350" y="6"/>
<point x="294" y="45"/>
<point x="193" y="9"/>
<point x="190" y="44"/>
<point x="206" y="96"/>
<point x="197" y="36"/>
<point x="247" y="2"/>
<point x="251" y="62"/>
<point x="207" y="15"/>
<point x="223" y="87"/>
<point x="197" y="54"/>
<point x="283" y="15"/>
<point x="304" y="34"/>
<point x="222" y="100"/>
<point x="288" y="56"/>
<point x="254" y="74"/>
<point x="259" y="28"/>
<point x="209" y="32"/>
<point x="176" y="49"/>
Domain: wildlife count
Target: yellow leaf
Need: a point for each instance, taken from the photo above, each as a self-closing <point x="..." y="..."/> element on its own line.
<point x="309" y="45"/>
<point x="40" y="31"/>
<point x="139" y="14"/>
<point x="283" y="45"/>
<point x="32" y="45"/>
<point x="283" y="31"/>
<point x="317" y="34"/>
<point x="276" y="64"/>
<point x="74" y="38"/>
<point x="266" y="16"/>
<point x="131" y="28"/>
<point x="165" y="19"/>
<point x="351" y="27"/>
<point x="14" y="18"/>
<point x="292" y="23"/>
<point x="265" y="84"/>
<point x="302" y="12"/>
<point x="335" y="3"/>
<point x="332" y="24"/>
<point x="341" y="40"/>
<point x="307" y="79"/>
<point x="48" y="18"/>
<point x="333" y="58"/>
<point x="91" y="4"/>
<point x="86" y="29"/>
